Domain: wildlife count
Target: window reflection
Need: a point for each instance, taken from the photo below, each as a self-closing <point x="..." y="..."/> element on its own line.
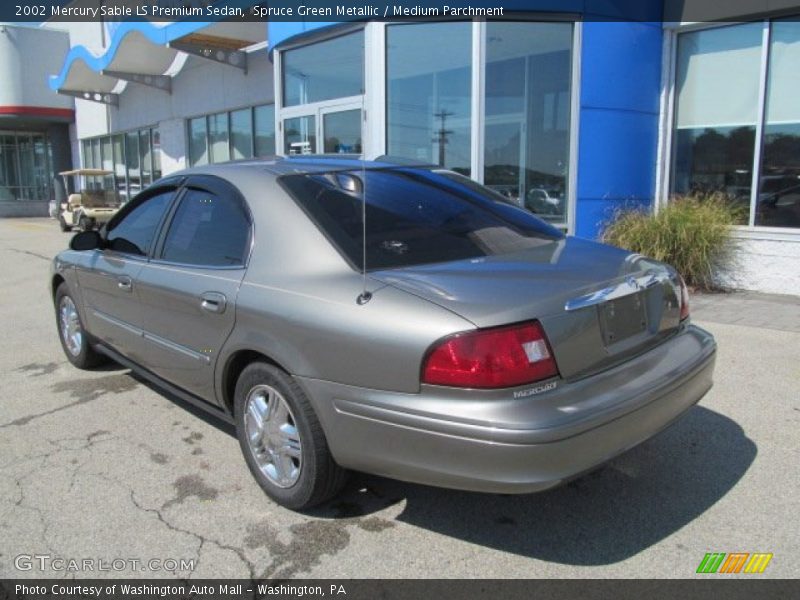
<point x="717" y="104"/>
<point x="779" y="189"/>
<point x="300" y="136"/>
<point x="342" y="132"/>
<point x="526" y="147"/>
<point x="429" y="79"/>
<point x="325" y="70"/>
<point x="241" y="134"/>
<point x="264" y="117"/>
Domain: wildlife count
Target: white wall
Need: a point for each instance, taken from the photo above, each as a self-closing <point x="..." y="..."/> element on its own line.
<point x="24" y="68"/>
<point x="768" y="265"/>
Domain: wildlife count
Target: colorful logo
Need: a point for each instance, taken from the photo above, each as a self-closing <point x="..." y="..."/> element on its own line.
<point x="735" y="562"/>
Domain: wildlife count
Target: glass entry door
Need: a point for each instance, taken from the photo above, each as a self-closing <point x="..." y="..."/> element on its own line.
<point x="328" y="129"/>
<point x="300" y="135"/>
<point x="341" y="131"/>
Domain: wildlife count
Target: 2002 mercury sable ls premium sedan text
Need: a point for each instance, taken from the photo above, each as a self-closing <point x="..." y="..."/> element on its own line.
<point x="483" y="350"/>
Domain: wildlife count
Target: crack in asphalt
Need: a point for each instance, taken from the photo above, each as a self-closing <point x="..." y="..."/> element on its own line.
<point x="201" y="538"/>
<point x="29" y="253"/>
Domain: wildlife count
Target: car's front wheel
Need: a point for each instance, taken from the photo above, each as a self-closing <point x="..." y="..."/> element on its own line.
<point x="75" y="340"/>
<point x="282" y="439"/>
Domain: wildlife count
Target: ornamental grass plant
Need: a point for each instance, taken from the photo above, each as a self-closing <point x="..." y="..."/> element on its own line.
<point x="693" y="233"/>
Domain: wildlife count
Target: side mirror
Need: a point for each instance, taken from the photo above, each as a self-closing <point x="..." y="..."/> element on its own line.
<point x="86" y="240"/>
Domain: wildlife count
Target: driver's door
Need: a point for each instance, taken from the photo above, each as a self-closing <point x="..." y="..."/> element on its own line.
<point x="107" y="277"/>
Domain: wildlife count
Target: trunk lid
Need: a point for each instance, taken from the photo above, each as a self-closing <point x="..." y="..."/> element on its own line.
<point x="598" y="305"/>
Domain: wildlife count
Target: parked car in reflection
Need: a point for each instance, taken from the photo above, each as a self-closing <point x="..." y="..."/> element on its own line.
<point x="779" y="201"/>
<point x="393" y="319"/>
<point x="544" y="202"/>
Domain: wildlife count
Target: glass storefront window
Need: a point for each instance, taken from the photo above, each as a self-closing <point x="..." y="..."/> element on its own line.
<point x="330" y="69"/>
<point x="108" y="155"/>
<point x="145" y="154"/>
<point x="428" y="93"/>
<point x="86" y="148"/>
<point x="716" y="112"/>
<point x="264" y="125"/>
<point x="242" y="134"/>
<point x="778" y="202"/>
<point x="300" y="135"/>
<point x="156" y="138"/>
<point x="132" y="162"/>
<point x="118" y="143"/>
<point x="134" y="157"/>
<point x="25" y="167"/>
<point x="527" y="104"/>
<point x="234" y="135"/>
<point x="198" y="141"/>
<point x="218" y="138"/>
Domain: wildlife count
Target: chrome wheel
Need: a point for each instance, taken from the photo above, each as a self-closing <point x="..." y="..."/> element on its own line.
<point x="71" y="331"/>
<point x="272" y="436"/>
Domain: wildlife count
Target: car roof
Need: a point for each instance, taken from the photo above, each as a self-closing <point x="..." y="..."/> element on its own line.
<point x="298" y="165"/>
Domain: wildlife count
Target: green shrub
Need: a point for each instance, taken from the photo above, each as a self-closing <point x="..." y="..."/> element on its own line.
<point x="691" y="233"/>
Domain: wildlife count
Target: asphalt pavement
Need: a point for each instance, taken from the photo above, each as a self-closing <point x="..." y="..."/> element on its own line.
<point x="101" y="466"/>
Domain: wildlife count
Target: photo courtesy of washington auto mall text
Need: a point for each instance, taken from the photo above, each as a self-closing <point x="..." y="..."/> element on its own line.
<point x="175" y="589"/>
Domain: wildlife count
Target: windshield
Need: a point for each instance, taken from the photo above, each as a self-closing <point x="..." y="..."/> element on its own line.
<point x="414" y="216"/>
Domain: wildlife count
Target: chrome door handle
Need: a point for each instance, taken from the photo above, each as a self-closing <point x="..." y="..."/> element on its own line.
<point x="213" y="302"/>
<point x="124" y="283"/>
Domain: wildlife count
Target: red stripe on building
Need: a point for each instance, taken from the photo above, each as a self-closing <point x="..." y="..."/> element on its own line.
<point x="38" y="111"/>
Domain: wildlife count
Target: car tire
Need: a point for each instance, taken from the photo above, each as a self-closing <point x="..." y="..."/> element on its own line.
<point x="75" y="341"/>
<point x="84" y="223"/>
<point x="63" y="224"/>
<point x="285" y="448"/>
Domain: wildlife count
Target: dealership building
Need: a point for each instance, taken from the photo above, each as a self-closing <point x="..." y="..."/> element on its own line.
<point x="572" y="109"/>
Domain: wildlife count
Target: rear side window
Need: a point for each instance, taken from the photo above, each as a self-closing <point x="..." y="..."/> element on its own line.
<point x="134" y="232"/>
<point x="207" y="229"/>
<point x="414" y="216"/>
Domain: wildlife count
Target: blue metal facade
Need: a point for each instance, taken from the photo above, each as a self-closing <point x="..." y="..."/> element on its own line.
<point x="620" y="83"/>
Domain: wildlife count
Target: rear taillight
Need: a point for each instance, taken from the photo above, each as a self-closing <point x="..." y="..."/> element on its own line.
<point x="491" y="358"/>
<point x="684" y="300"/>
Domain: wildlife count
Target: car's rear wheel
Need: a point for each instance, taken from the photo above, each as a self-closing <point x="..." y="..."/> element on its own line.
<point x="282" y="439"/>
<point x="75" y="341"/>
<point x="63" y="224"/>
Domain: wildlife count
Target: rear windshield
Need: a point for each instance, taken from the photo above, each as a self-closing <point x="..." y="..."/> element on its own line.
<point x="414" y="216"/>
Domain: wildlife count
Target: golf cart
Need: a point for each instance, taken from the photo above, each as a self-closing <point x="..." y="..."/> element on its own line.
<point x="94" y="200"/>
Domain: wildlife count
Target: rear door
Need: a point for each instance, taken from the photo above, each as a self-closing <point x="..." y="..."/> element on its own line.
<point x="188" y="289"/>
<point x="108" y="277"/>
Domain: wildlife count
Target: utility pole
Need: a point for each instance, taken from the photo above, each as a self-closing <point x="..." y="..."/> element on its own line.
<point x="441" y="135"/>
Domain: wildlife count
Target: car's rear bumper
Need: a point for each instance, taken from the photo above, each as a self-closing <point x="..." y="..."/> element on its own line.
<point x="494" y="442"/>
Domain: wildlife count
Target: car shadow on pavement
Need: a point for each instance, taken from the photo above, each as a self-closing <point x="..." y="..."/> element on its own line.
<point x="634" y="502"/>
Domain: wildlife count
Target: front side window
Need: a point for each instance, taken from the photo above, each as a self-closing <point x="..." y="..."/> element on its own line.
<point x="208" y="230"/>
<point x="135" y="231"/>
<point x="428" y="93"/>
<point x="330" y="69"/>
<point x="414" y="216"/>
<point x="717" y="91"/>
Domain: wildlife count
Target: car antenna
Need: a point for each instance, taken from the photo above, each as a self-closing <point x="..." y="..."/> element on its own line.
<point x="365" y="295"/>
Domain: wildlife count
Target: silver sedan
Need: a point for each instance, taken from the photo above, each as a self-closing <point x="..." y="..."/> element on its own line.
<point x="393" y="319"/>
